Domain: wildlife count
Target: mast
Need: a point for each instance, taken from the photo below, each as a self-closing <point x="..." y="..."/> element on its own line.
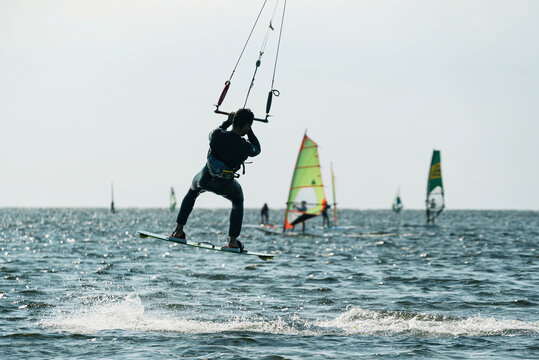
<point x="112" y="210"/>
<point x="334" y="197"/>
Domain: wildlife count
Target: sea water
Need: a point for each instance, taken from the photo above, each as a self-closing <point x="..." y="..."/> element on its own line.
<point x="79" y="283"/>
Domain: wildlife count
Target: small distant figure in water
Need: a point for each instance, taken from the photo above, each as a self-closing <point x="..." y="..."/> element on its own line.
<point x="112" y="209"/>
<point x="302" y="208"/>
<point x="432" y="208"/>
<point x="264" y="214"/>
<point x="325" y="218"/>
<point x="228" y="151"/>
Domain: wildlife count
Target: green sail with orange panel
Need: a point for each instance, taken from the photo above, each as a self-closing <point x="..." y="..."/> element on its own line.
<point x="306" y="198"/>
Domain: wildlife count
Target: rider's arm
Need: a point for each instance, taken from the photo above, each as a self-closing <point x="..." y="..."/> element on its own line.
<point x="255" y="144"/>
<point x="228" y="121"/>
<point x="225" y="125"/>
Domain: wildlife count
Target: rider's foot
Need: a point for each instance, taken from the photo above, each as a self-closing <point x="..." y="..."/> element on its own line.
<point x="235" y="244"/>
<point x="178" y="232"/>
<point x="178" y="235"/>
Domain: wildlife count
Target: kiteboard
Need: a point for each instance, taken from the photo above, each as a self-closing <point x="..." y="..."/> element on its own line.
<point x="203" y="245"/>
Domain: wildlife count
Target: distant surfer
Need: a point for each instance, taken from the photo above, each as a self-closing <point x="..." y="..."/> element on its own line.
<point x="431" y="209"/>
<point x="264" y="214"/>
<point x="325" y="217"/>
<point x="227" y="153"/>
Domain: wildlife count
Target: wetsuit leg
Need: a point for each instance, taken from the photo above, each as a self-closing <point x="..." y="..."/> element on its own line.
<point x="231" y="190"/>
<point x="189" y="200"/>
<point x="234" y="193"/>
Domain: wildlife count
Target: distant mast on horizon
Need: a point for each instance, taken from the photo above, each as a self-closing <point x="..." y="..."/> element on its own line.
<point x="112" y="209"/>
<point x="334" y="197"/>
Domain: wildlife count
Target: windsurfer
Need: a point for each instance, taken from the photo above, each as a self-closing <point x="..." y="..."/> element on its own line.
<point x="302" y="208"/>
<point x="228" y="150"/>
<point x="264" y="214"/>
<point x="325" y="217"/>
<point x="431" y="209"/>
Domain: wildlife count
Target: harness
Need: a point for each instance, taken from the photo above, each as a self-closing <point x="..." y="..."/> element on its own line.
<point x="220" y="170"/>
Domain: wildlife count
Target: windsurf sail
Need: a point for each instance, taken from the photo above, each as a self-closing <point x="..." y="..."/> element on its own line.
<point x="397" y="202"/>
<point x="435" y="201"/>
<point x="334" y="198"/>
<point x="112" y="210"/>
<point x="172" y="201"/>
<point x="306" y="198"/>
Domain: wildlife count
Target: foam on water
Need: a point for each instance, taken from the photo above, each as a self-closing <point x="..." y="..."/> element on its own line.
<point x="129" y="314"/>
<point x="368" y="322"/>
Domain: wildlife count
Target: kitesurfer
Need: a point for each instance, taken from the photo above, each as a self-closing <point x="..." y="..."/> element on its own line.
<point x="227" y="153"/>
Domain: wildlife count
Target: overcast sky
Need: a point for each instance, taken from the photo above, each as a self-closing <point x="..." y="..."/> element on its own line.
<point x="123" y="90"/>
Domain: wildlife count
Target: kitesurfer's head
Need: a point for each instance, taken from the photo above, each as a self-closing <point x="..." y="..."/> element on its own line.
<point x="243" y="121"/>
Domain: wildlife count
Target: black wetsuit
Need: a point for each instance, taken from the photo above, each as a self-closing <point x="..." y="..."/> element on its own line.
<point x="227" y="153"/>
<point x="325" y="218"/>
<point x="264" y="215"/>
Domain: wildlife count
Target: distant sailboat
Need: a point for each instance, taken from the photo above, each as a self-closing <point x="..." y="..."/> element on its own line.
<point x="306" y="198"/>
<point x="397" y="202"/>
<point x="112" y="210"/>
<point x="172" y="200"/>
<point x="435" y="201"/>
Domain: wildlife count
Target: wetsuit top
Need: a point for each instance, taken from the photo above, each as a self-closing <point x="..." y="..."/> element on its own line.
<point x="228" y="150"/>
<point x="325" y="210"/>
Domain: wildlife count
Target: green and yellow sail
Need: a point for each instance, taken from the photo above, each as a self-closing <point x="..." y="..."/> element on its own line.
<point x="306" y="198"/>
<point x="435" y="201"/>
